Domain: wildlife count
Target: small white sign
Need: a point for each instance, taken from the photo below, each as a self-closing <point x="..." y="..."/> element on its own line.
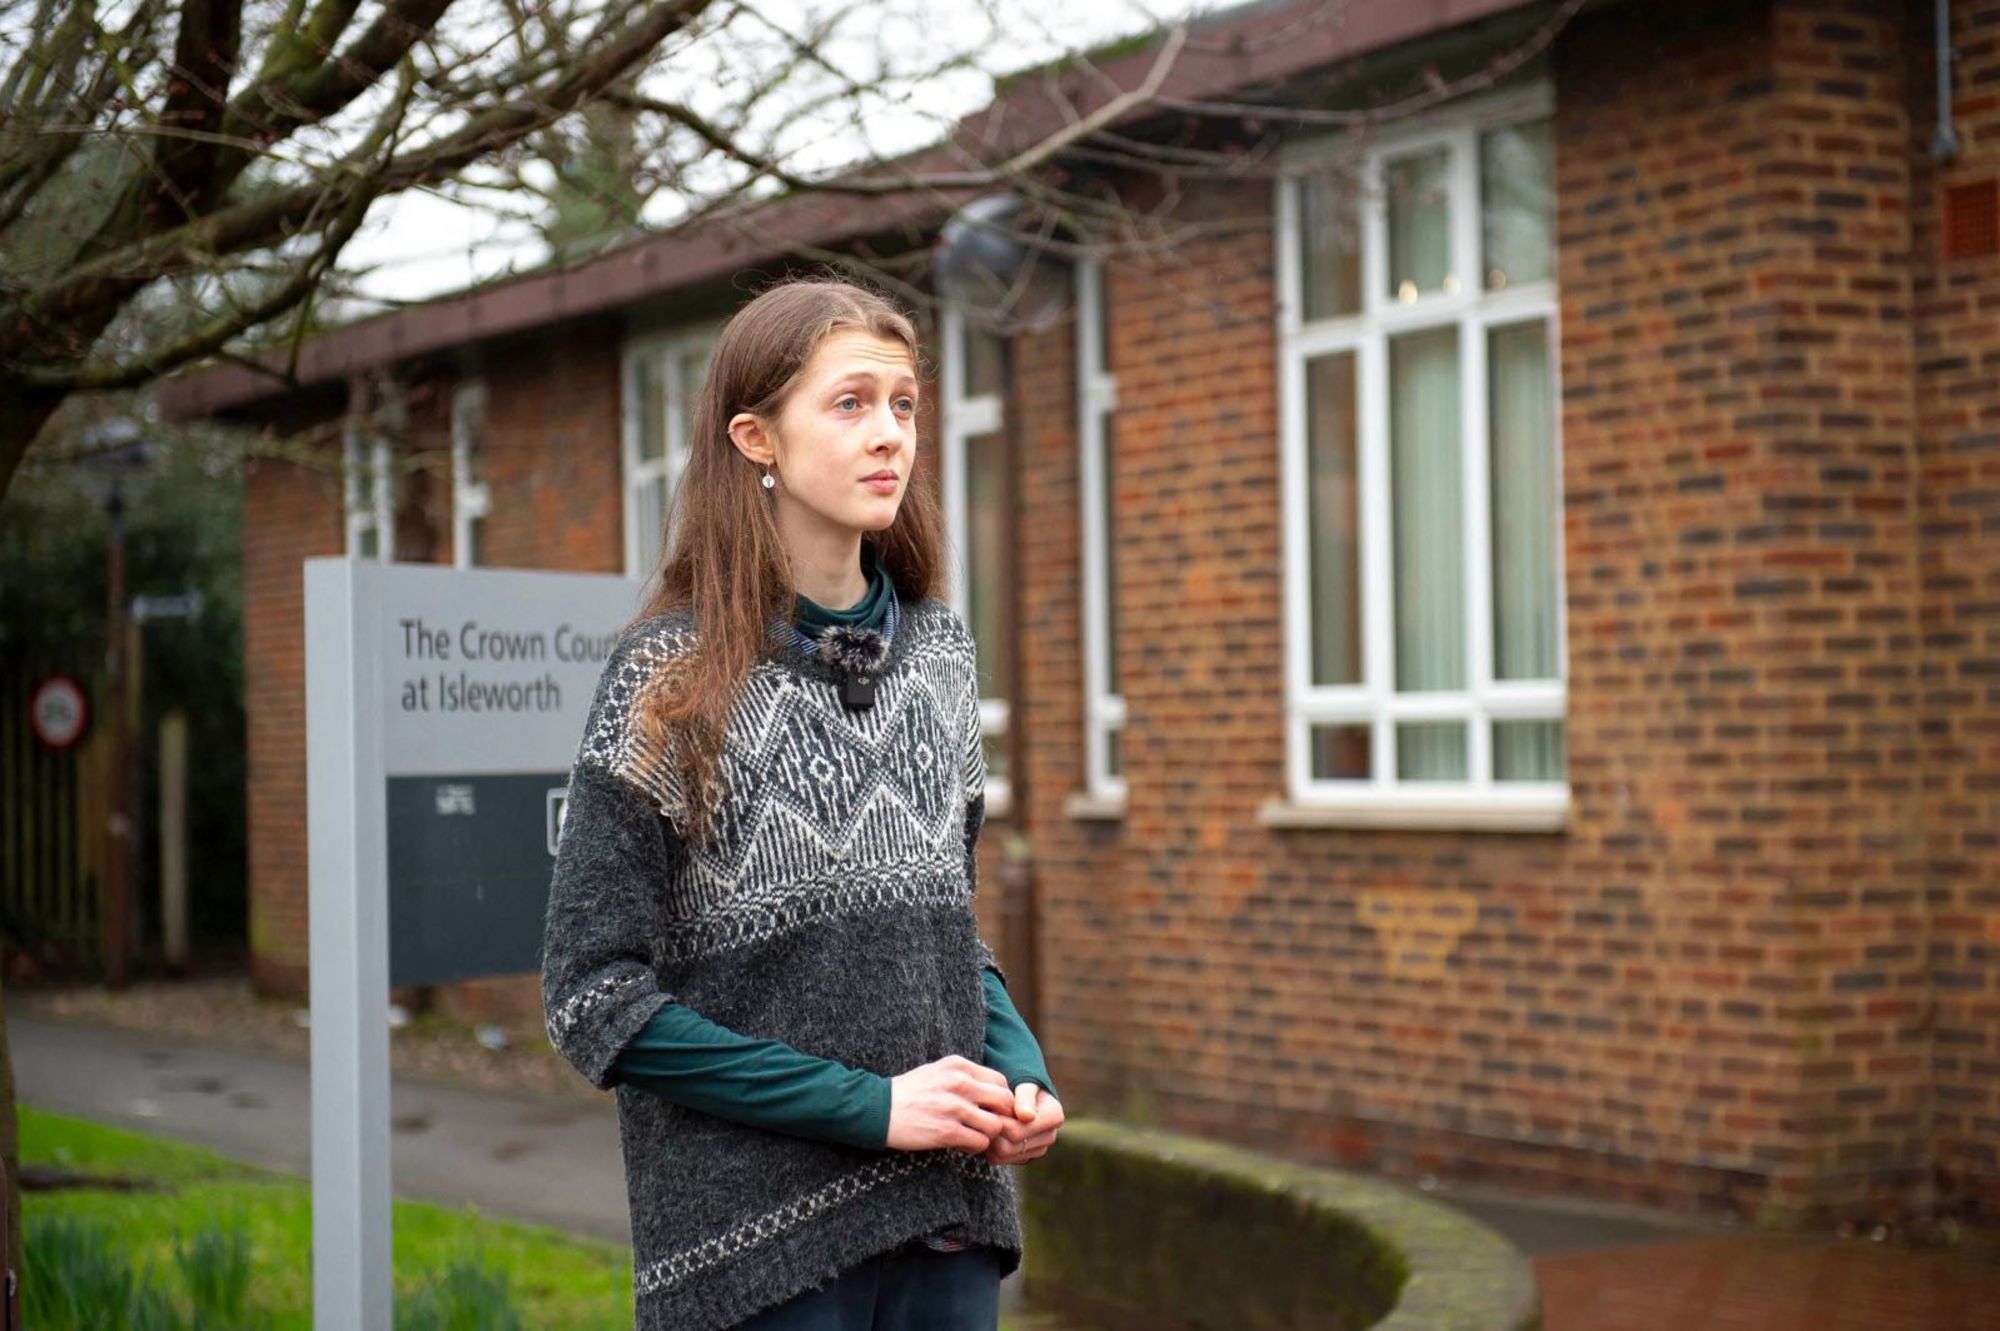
<point x="146" y="609"/>
<point x="558" y="813"/>
<point x="58" y="710"/>
<point x="455" y="797"/>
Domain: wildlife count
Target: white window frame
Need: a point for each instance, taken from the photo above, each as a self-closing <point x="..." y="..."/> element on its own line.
<point x="470" y="501"/>
<point x="1096" y="396"/>
<point x="362" y="447"/>
<point x="963" y="418"/>
<point x="668" y="347"/>
<point x="1381" y="800"/>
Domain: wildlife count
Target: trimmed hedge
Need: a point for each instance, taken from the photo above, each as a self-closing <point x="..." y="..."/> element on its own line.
<point x="1132" y="1227"/>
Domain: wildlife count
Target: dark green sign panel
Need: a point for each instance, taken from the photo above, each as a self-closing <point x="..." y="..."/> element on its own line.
<point x="469" y="865"/>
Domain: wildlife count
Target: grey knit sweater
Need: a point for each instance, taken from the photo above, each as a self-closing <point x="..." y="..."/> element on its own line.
<point x="833" y="912"/>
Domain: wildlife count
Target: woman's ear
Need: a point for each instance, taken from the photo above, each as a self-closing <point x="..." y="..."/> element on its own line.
<point x="747" y="432"/>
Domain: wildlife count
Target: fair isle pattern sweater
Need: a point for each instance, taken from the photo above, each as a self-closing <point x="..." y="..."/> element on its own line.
<point x="833" y="912"/>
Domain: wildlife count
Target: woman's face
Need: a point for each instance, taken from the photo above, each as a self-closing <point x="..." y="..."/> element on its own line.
<point x="851" y="416"/>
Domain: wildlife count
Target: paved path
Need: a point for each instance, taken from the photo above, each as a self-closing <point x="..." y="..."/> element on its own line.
<point x="549" y="1161"/>
<point x="1765" y="1282"/>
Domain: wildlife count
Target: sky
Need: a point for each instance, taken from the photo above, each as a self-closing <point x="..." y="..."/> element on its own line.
<point x="418" y="245"/>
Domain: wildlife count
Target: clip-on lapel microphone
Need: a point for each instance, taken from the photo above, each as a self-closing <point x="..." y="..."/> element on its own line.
<point x="857" y="654"/>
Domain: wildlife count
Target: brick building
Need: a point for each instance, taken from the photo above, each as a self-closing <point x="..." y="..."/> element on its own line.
<point x="1507" y="685"/>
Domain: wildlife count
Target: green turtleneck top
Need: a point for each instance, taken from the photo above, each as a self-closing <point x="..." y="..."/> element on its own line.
<point x="866" y="613"/>
<point x="683" y="1057"/>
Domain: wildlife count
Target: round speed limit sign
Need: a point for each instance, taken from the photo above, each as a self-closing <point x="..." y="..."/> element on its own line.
<point x="59" y="711"/>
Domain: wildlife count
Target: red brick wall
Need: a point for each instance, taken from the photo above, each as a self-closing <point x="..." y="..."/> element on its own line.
<point x="553" y="454"/>
<point x="1142" y="972"/>
<point x="1826" y="577"/>
<point x="1713" y="987"/>
<point x="1957" y="306"/>
<point x="290" y="513"/>
<point x="552" y="463"/>
<point x="553" y="471"/>
<point x="1761" y="967"/>
<point x="1071" y="1005"/>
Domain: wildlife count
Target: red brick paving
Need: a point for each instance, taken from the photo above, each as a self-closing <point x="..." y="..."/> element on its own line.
<point x="1768" y="1283"/>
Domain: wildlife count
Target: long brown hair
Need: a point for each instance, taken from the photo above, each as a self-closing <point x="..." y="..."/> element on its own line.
<point x="728" y="564"/>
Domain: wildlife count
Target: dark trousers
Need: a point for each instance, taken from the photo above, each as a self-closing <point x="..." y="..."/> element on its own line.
<point x="913" y="1288"/>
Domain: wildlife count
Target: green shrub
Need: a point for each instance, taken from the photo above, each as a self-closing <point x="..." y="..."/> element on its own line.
<point x="75" y="1278"/>
<point x="467" y="1295"/>
<point x="215" y="1265"/>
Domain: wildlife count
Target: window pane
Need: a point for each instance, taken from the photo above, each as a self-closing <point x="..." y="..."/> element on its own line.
<point x="1340" y="753"/>
<point x="1528" y="751"/>
<point x="1517" y="204"/>
<point x="471" y="457"/>
<point x="651" y="396"/>
<point x="1332" y="520"/>
<point x="1420" y="226"/>
<point x="350" y="472"/>
<point x="1114" y="752"/>
<point x="1103" y="320"/>
<point x="1430" y="751"/>
<point x="986" y="553"/>
<point x="382" y="491"/>
<point x="369" y="545"/>
<point x="652" y="523"/>
<point x="475" y="541"/>
<point x="996" y="756"/>
<point x="360" y="463"/>
<point x="981" y="371"/>
<point x="1105" y="510"/>
<point x="673" y="513"/>
<point x="693" y="368"/>
<point x="1428" y="515"/>
<point x="1524" y="518"/>
<point x="1329" y="245"/>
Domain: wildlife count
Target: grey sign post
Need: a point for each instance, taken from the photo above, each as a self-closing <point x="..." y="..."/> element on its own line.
<point x="443" y="707"/>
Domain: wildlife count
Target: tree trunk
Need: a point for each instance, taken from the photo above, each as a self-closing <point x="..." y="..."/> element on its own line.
<point x="23" y="409"/>
<point x="10" y="1145"/>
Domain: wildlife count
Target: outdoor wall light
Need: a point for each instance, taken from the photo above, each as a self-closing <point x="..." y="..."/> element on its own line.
<point x="988" y="258"/>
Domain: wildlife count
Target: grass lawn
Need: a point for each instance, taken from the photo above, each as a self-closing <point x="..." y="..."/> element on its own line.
<point x="556" y="1280"/>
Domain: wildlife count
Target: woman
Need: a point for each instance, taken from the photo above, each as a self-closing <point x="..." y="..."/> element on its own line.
<point x="760" y="927"/>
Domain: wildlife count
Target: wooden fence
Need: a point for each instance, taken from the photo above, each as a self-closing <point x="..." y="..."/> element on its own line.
<point x="53" y="805"/>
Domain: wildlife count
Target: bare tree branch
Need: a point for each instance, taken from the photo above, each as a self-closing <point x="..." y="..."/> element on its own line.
<point x="265" y="219"/>
<point x="156" y="209"/>
<point x="894" y="181"/>
<point x="217" y="332"/>
<point x="204" y="62"/>
<point x="294" y="90"/>
<point x="25" y="167"/>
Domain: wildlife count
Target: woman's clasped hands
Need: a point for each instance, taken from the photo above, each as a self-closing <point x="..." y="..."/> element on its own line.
<point x="965" y="1106"/>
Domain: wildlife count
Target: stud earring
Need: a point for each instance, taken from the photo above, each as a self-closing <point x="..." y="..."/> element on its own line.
<point x="770" y="481"/>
